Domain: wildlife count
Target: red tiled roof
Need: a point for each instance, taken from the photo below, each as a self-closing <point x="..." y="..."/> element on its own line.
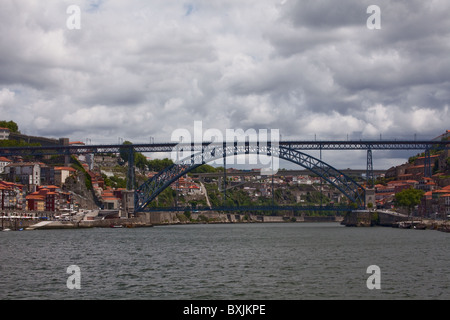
<point x="109" y="198"/>
<point x="34" y="197"/>
<point x="416" y="167"/>
<point x="49" y="187"/>
<point x="65" y="168"/>
<point x="440" y="191"/>
<point x="433" y="156"/>
<point x="23" y="164"/>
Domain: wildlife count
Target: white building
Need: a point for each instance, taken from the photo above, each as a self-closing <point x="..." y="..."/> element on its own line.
<point x="3" y="163"/>
<point x="61" y="174"/>
<point x="4" y="133"/>
<point x="27" y="173"/>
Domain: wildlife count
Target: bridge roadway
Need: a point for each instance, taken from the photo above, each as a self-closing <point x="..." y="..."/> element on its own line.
<point x="170" y="146"/>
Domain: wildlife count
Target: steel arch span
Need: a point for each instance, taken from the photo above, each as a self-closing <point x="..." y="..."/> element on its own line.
<point x="149" y="190"/>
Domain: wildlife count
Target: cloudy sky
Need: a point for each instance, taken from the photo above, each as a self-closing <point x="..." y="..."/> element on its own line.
<point x="313" y="69"/>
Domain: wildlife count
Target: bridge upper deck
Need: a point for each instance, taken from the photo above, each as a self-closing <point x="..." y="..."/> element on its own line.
<point x="169" y="146"/>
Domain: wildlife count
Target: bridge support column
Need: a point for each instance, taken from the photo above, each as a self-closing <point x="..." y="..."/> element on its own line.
<point x="65" y="142"/>
<point x="370" y="198"/>
<point x="131" y="173"/>
<point x="369" y="170"/>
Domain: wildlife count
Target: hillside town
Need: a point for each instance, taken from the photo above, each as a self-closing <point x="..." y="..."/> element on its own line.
<point x="53" y="185"/>
<point x="435" y="202"/>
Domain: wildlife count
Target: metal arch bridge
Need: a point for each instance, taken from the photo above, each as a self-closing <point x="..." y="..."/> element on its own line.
<point x="155" y="185"/>
<point x="288" y="149"/>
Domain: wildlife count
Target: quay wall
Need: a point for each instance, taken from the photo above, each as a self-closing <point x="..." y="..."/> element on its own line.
<point x="358" y="219"/>
<point x="160" y="218"/>
<point x="155" y="218"/>
<point x="389" y="220"/>
<point x="17" y="223"/>
<point x="365" y="218"/>
<point x="106" y="223"/>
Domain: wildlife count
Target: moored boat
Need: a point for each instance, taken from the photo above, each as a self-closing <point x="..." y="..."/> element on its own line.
<point x="404" y="225"/>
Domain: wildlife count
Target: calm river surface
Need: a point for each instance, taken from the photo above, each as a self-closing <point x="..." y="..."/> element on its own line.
<point x="290" y="261"/>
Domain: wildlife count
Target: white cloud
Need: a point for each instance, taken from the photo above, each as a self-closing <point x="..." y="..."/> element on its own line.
<point x="138" y="68"/>
<point x="6" y="97"/>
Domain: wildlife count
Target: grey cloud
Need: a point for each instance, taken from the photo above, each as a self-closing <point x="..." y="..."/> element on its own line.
<point x="326" y="13"/>
<point x="138" y="68"/>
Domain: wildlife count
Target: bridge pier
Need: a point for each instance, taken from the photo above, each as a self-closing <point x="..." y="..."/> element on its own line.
<point x="65" y="142"/>
<point x="370" y="198"/>
<point x="128" y="198"/>
<point x="369" y="170"/>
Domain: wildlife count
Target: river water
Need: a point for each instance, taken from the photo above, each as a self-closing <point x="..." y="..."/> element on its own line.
<point x="268" y="261"/>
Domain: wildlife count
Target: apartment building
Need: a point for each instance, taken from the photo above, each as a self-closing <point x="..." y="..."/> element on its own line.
<point x="27" y="173"/>
<point x="11" y="196"/>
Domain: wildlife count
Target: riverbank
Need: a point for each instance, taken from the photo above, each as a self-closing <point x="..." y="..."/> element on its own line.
<point x="365" y="218"/>
<point x="92" y="220"/>
<point x="424" y="224"/>
<point x="163" y="218"/>
<point x="27" y="224"/>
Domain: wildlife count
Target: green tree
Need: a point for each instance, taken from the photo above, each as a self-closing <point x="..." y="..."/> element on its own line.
<point x="159" y="164"/>
<point x="205" y="169"/>
<point x="409" y="198"/>
<point x="11" y="125"/>
<point x="15" y="143"/>
<point x="140" y="160"/>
